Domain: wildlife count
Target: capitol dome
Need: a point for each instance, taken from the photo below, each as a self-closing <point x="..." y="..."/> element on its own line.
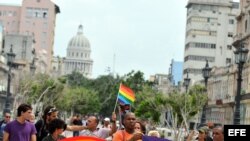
<point x="79" y="40"/>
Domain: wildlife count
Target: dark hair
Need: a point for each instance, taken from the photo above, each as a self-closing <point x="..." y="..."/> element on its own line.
<point x="48" y="110"/>
<point x="23" y="108"/>
<point x="143" y="128"/>
<point x="56" y="124"/>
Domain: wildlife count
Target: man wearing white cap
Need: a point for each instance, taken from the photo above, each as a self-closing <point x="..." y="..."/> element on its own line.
<point x="106" y="123"/>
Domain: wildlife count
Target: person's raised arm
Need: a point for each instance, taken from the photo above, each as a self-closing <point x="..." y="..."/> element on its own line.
<point x="113" y="127"/>
<point x="75" y="128"/>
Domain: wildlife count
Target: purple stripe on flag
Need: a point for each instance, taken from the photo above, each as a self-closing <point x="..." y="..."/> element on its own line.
<point x="150" y="138"/>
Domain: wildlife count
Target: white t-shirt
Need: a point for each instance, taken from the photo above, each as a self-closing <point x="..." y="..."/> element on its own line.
<point x="101" y="133"/>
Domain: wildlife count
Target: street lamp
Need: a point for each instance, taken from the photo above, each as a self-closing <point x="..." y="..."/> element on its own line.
<point x="186" y="82"/>
<point x="206" y="74"/>
<point x="240" y="59"/>
<point x="10" y="61"/>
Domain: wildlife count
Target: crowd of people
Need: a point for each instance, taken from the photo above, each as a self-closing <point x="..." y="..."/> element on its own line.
<point x="50" y="127"/>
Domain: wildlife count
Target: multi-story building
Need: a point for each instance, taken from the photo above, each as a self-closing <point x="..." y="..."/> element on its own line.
<point x="78" y="55"/>
<point x="222" y="85"/>
<point x="210" y="28"/>
<point x="175" y="71"/>
<point x="34" y="18"/>
<point x="1" y="37"/>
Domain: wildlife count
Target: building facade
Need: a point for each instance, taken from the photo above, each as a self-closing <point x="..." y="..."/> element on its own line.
<point x="210" y="28"/>
<point x="222" y="86"/>
<point x="78" y="56"/>
<point x="175" y="71"/>
<point x="57" y="66"/>
<point x="34" y="18"/>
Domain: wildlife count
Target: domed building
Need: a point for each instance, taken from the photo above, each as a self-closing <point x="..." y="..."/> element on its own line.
<point x="78" y="55"/>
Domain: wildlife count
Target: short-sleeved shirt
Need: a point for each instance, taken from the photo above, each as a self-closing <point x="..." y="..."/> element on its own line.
<point x="20" y="131"/>
<point x="122" y="135"/>
<point x="101" y="133"/>
<point x="41" y="128"/>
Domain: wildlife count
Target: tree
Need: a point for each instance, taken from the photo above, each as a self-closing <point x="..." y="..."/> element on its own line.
<point x="150" y="104"/>
<point x="79" y="100"/>
<point x="134" y="80"/>
<point x="183" y="107"/>
<point x="39" y="88"/>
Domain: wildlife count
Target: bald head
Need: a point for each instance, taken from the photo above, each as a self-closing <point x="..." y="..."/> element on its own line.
<point x="92" y="123"/>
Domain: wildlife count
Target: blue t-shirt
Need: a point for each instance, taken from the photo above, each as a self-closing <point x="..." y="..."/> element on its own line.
<point x="20" y="132"/>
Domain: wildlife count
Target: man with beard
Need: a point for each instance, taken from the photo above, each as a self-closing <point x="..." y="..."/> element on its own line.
<point x="129" y="133"/>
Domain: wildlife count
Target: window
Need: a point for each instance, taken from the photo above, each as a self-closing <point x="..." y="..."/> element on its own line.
<point x="230" y="34"/>
<point x="231" y="21"/>
<point x="199" y="58"/>
<point x="229" y="47"/>
<point x="228" y="61"/>
<point x="44" y="15"/>
<point x="29" y="12"/>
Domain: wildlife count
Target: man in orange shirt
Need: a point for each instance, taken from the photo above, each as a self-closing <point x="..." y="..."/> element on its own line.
<point x="129" y="133"/>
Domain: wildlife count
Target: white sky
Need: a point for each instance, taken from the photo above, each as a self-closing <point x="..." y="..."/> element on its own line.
<point x="143" y="34"/>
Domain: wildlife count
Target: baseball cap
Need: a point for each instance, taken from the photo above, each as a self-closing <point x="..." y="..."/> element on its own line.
<point x="106" y="119"/>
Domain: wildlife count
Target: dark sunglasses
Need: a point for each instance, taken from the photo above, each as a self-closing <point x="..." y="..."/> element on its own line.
<point x="52" y="110"/>
<point x="7" y="116"/>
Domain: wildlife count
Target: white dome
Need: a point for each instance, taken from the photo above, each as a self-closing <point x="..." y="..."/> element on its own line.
<point x="79" y="40"/>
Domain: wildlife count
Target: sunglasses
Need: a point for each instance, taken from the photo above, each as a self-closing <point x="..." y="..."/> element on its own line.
<point x="7" y="116"/>
<point x="52" y="110"/>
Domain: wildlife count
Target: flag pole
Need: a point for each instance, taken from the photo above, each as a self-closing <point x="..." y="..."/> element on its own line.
<point x="117" y="97"/>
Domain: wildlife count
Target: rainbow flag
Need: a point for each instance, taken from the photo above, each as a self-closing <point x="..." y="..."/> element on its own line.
<point x="126" y="95"/>
<point x="83" y="138"/>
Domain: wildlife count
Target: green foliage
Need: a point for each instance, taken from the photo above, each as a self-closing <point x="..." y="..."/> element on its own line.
<point x="150" y="104"/>
<point x="80" y="99"/>
<point x="134" y="80"/>
<point x="189" y="104"/>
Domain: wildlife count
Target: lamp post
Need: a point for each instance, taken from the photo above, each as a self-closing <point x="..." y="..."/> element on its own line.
<point x="240" y="59"/>
<point x="186" y="82"/>
<point x="206" y="74"/>
<point x="10" y="59"/>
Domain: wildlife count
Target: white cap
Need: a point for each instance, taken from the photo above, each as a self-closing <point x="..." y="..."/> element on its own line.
<point x="107" y="119"/>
